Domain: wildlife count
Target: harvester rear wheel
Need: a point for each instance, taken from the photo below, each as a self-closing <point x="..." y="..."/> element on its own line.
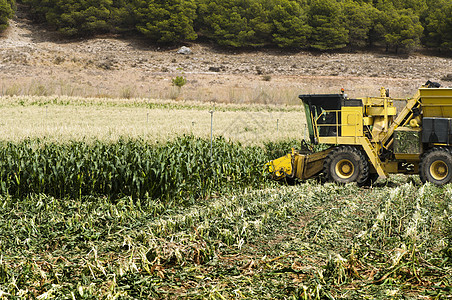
<point x="346" y="164"/>
<point x="436" y="166"/>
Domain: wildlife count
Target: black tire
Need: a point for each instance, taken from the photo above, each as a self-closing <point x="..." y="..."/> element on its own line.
<point x="346" y="164"/>
<point x="290" y="180"/>
<point x="436" y="166"/>
<point x="371" y="179"/>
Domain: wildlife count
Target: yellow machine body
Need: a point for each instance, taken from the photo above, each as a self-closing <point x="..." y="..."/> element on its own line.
<point x="352" y="121"/>
<point x="282" y="167"/>
<point x="372" y="125"/>
<point x="301" y="166"/>
<point x="436" y="102"/>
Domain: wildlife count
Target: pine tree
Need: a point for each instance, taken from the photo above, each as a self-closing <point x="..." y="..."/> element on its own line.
<point x="438" y="25"/>
<point x="73" y="17"/>
<point x="358" y="22"/>
<point x="378" y="29"/>
<point x="166" y="21"/>
<point x="327" y="21"/>
<point x="290" y="24"/>
<point x="123" y="16"/>
<point x="236" y="23"/>
<point x="6" y="12"/>
<point x="403" y="30"/>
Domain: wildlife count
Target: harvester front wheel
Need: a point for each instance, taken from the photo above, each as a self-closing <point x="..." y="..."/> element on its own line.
<point x="346" y="164"/>
<point x="436" y="166"/>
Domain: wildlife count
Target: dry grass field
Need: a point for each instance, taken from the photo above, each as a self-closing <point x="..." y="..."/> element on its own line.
<point x="61" y="119"/>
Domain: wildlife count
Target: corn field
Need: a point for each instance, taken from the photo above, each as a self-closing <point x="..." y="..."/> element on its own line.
<point x="183" y="169"/>
<point x="177" y="220"/>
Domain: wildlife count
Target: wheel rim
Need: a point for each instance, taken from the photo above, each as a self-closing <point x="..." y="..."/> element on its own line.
<point x="439" y="170"/>
<point x="345" y="169"/>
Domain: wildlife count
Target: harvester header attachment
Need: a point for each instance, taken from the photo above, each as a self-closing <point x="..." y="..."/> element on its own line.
<point x="296" y="165"/>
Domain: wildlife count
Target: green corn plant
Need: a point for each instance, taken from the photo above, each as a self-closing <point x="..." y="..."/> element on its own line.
<point x="181" y="170"/>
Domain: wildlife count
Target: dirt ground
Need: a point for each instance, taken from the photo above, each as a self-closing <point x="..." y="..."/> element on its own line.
<point x="36" y="61"/>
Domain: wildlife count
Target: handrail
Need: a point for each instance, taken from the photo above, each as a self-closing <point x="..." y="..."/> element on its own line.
<point x="337" y="124"/>
<point x="317" y="125"/>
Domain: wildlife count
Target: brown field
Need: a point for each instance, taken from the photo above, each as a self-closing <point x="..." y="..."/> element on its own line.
<point x="34" y="61"/>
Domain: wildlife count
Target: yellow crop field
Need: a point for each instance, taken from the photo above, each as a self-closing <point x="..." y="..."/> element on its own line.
<point x="64" y="118"/>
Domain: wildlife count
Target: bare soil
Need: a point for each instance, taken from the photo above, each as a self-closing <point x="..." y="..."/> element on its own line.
<point x="37" y="61"/>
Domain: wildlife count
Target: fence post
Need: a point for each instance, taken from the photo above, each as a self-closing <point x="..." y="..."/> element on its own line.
<point x="211" y="130"/>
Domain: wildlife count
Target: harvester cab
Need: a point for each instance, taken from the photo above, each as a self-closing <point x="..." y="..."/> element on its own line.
<point x="368" y="139"/>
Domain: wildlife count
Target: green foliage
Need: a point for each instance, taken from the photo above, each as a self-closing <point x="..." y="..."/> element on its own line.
<point x="166" y="21"/>
<point x="438" y="25"/>
<point x="317" y="24"/>
<point x="378" y="29"/>
<point x="74" y="17"/>
<point x="418" y="6"/>
<point x="326" y="17"/>
<point x="179" y="81"/>
<point x="123" y="16"/>
<point x="161" y="21"/>
<point x="290" y="24"/>
<point x="38" y="9"/>
<point x="235" y="23"/>
<point x="242" y="23"/>
<point x="358" y="22"/>
<point x="403" y="30"/>
<point x="6" y="12"/>
<point x="181" y="169"/>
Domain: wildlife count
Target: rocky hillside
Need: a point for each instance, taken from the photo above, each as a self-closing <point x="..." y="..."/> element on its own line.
<point x="36" y="61"/>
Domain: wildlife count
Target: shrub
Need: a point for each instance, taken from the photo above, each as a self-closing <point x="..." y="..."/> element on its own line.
<point x="179" y="81"/>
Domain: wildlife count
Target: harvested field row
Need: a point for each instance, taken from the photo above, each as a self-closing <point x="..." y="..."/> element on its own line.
<point x="303" y="242"/>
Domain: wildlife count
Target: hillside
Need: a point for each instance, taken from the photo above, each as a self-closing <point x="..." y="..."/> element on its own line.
<point x="36" y="61"/>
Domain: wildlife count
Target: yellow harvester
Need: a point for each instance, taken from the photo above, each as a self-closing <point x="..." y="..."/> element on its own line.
<point x="369" y="139"/>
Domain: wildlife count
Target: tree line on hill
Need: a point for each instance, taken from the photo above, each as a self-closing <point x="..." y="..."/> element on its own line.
<point x="7" y="8"/>
<point x="398" y="25"/>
